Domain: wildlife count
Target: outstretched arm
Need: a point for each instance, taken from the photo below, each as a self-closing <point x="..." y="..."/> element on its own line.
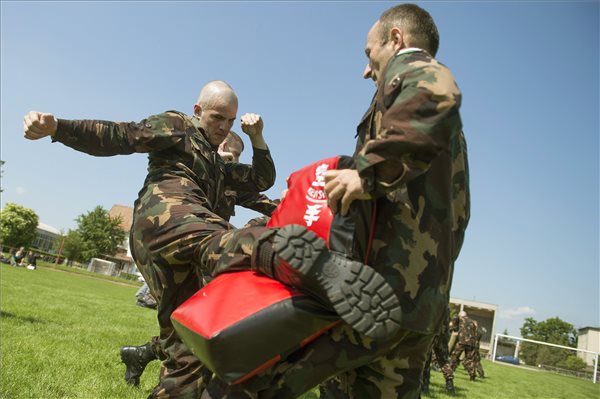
<point x="104" y="138"/>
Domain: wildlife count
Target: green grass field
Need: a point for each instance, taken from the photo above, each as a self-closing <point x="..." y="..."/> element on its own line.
<point x="60" y="334"/>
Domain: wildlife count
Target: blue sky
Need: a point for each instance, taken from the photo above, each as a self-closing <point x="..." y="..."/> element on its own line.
<point x="529" y="73"/>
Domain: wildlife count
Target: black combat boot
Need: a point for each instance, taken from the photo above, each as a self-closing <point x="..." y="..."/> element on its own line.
<point x="425" y="388"/>
<point x="472" y="377"/>
<point x="356" y="292"/>
<point x="450" y="386"/>
<point x="136" y="358"/>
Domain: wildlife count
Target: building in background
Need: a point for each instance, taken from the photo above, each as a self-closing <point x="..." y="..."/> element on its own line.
<point x="123" y="261"/>
<point x="46" y="238"/>
<point x="588" y="339"/>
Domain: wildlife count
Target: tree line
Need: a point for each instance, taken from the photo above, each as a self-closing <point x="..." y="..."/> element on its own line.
<point x="97" y="233"/>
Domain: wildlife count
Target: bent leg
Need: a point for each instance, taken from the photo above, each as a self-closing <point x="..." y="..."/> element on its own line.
<point x="163" y="243"/>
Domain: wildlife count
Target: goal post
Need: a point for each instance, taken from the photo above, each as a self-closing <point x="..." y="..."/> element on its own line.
<point x="519" y="340"/>
<point x="101" y="266"/>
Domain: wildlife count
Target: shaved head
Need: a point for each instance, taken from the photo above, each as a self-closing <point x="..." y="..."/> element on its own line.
<point x="216" y="110"/>
<point x="215" y="92"/>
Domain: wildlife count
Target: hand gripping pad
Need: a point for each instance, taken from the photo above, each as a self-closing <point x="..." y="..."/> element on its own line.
<point x="242" y="323"/>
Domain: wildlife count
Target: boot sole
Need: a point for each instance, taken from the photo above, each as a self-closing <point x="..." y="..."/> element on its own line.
<point x="357" y="293"/>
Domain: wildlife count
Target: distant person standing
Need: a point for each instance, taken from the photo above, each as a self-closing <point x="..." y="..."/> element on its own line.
<point x="468" y="331"/>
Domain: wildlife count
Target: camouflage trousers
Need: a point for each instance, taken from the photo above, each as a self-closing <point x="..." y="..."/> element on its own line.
<point x="163" y="243"/>
<point x="346" y="363"/>
<point x="478" y="366"/>
<point x="469" y="361"/>
<point x="438" y="355"/>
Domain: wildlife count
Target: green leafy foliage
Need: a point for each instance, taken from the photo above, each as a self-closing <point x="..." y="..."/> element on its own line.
<point x="97" y="233"/>
<point x="17" y="225"/>
<point x="572" y="362"/>
<point x="553" y="331"/>
<point x="73" y="246"/>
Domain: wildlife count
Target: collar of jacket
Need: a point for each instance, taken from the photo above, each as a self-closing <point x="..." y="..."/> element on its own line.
<point x="196" y="123"/>
<point x="409" y="50"/>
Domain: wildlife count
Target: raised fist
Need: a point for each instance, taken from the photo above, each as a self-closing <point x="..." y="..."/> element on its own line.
<point x="252" y="124"/>
<point x="38" y="124"/>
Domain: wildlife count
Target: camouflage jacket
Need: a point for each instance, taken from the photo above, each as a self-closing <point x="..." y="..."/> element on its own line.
<point x="411" y="156"/>
<point x="468" y="332"/>
<point x="181" y="162"/>
<point x="251" y="200"/>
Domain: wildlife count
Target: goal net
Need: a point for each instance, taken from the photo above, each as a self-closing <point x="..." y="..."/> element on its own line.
<point x="546" y="356"/>
<point x="101" y="266"/>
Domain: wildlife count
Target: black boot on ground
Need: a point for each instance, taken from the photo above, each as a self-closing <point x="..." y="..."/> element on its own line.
<point x="356" y="292"/>
<point x="472" y="378"/>
<point x="136" y="358"/>
<point x="450" y="386"/>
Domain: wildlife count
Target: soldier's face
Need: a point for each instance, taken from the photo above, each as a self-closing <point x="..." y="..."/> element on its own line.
<point x="377" y="52"/>
<point x="217" y="121"/>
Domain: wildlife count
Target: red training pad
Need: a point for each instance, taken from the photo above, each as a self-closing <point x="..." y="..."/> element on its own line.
<point x="305" y="202"/>
<point x="249" y="291"/>
<point x="241" y="323"/>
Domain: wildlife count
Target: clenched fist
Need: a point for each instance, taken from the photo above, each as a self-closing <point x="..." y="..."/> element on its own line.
<point x="37" y="125"/>
<point x="252" y="124"/>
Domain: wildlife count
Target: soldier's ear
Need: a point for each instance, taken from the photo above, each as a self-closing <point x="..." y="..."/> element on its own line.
<point x="197" y="109"/>
<point x="397" y="37"/>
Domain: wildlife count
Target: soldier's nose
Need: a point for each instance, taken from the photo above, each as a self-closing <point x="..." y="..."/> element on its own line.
<point x="367" y="72"/>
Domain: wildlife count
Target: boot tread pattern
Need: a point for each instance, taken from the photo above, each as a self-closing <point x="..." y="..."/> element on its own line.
<point x="358" y="294"/>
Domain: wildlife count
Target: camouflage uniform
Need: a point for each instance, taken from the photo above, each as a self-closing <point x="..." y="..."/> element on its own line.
<point x="477" y="358"/>
<point x="468" y="331"/>
<point x="251" y="200"/>
<point x="439" y="355"/>
<point x="175" y="210"/>
<point x="413" y="125"/>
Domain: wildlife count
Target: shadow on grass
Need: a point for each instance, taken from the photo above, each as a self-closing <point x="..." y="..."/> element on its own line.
<point x="27" y="319"/>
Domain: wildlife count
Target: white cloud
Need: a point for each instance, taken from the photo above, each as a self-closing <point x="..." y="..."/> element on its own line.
<point x="522" y="311"/>
<point x="20" y="190"/>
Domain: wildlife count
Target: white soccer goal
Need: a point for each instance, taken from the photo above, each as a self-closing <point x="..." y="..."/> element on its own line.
<point x="551" y="350"/>
<point x="101" y="266"/>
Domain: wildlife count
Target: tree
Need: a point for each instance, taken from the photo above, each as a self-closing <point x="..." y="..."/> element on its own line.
<point x="99" y="234"/>
<point x="553" y="331"/>
<point x="17" y="225"/>
<point x="73" y="246"/>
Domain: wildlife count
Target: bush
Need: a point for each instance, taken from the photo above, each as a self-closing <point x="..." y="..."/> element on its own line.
<point x="572" y="363"/>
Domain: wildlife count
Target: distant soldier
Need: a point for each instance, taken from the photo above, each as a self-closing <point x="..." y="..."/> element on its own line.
<point x="439" y="355"/>
<point x="478" y="366"/>
<point x="468" y="331"/>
